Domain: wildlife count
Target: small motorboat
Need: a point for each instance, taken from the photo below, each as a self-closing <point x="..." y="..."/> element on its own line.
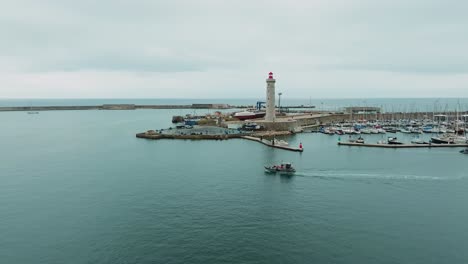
<point x="359" y="140"/>
<point x="393" y="141"/>
<point x="283" y="168"/>
<point x="465" y="151"/>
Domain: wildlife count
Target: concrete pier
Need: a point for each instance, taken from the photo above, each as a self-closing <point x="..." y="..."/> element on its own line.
<point x="353" y="144"/>
<point x="192" y="137"/>
<point x="264" y="142"/>
<point x="112" y="107"/>
<point x="200" y="134"/>
<point x="126" y="107"/>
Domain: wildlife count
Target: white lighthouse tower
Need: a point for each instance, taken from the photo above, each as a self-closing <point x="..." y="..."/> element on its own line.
<point x="270" y="101"/>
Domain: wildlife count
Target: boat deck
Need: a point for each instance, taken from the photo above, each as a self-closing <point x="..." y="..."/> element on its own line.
<point x="353" y="144"/>
<point x="271" y="145"/>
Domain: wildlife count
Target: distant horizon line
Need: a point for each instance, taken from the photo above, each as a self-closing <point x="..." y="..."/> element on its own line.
<point x="220" y="98"/>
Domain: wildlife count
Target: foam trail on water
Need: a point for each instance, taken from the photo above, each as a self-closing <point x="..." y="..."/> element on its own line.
<point x="374" y="175"/>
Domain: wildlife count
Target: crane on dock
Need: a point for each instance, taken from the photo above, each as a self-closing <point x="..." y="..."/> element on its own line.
<point x="259" y="105"/>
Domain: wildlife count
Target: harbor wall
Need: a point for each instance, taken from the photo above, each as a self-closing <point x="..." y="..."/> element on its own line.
<point x="402" y="115"/>
<point x="153" y="135"/>
<point x="94" y="107"/>
<point x="117" y="107"/>
<point x="325" y="119"/>
<point x="280" y="125"/>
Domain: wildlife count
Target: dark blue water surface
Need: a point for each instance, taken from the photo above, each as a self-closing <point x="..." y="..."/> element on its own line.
<point x="79" y="187"/>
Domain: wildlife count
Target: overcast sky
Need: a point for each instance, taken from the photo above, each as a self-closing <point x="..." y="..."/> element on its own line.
<point x="225" y="49"/>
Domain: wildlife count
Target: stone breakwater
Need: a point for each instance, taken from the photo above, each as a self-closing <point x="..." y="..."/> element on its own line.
<point x="354" y="144"/>
<point x="253" y="136"/>
<point x="109" y="107"/>
<point x="153" y="134"/>
<point x="92" y="107"/>
<point x="118" y="107"/>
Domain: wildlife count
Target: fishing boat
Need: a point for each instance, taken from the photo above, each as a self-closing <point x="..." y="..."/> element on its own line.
<point x="283" y="168"/>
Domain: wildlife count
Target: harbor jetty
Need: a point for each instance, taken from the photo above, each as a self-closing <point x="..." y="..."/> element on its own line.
<point x="195" y="133"/>
<point x="113" y="107"/>
<point x="132" y="107"/>
<point x="153" y="135"/>
<point x="207" y="132"/>
<point x="355" y="144"/>
<point x="215" y="133"/>
<point x="270" y="143"/>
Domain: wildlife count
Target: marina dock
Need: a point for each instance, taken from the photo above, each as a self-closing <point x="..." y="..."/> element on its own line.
<point x="353" y="144"/>
<point x="267" y="143"/>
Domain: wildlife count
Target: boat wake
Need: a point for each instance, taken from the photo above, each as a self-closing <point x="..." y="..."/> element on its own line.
<point x="343" y="175"/>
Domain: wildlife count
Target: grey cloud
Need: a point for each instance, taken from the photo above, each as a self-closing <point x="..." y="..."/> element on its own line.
<point x="327" y="39"/>
<point x="132" y="63"/>
<point x="408" y="68"/>
<point x="390" y="36"/>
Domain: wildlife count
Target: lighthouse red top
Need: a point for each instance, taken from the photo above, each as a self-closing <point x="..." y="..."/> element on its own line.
<point x="270" y="75"/>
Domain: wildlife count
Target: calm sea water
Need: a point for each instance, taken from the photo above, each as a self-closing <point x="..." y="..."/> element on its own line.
<point x="78" y="187"/>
